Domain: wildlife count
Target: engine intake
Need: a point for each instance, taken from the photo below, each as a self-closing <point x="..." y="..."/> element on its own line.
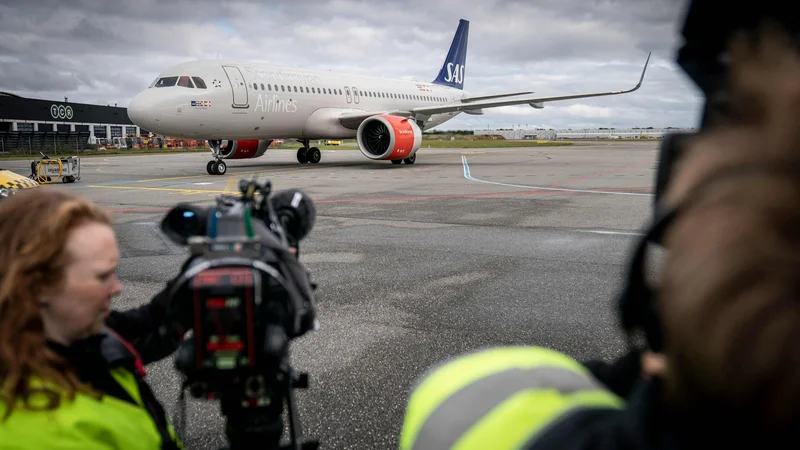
<point x="242" y="149"/>
<point x="388" y="137"/>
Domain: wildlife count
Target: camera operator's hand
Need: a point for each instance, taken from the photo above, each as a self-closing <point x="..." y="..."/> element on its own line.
<point x="653" y="364"/>
<point x="176" y="308"/>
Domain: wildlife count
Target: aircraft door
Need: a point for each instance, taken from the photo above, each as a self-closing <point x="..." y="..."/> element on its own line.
<point x="347" y="92"/>
<point x="237" y="85"/>
<point x="355" y="94"/>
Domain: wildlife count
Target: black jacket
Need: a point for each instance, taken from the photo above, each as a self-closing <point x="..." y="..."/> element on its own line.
<point x="647" y="421"/>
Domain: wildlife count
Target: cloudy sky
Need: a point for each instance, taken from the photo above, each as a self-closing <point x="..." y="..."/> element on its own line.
<point x="105" y="51"/>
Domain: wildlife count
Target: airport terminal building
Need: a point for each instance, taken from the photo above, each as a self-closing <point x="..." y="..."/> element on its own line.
<point x="577" y="134"/>
<point x="27" y="123"/>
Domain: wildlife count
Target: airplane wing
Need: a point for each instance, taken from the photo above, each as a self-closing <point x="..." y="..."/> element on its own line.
<point x="487" y="97"/>
<point x="353" y="120"/>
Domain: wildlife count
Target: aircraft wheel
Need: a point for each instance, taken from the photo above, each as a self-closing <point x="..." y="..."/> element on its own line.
<point x="210" y="168"/>
<point x="302" y="156"/>
<point x="397" y="161"/>
<point x="220" y="168"/>
<point x="410" y="160"/>
<point x="314" y="155"/>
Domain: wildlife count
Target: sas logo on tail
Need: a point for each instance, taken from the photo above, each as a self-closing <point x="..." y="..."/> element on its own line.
<point x="455" y="73"/>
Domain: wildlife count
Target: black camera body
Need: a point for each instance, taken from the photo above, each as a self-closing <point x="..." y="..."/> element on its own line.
<point x="708" y="27"/>
<point x="245" y="296"/>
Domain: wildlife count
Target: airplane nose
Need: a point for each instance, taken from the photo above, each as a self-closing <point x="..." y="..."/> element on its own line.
<point x="142" y="110"/>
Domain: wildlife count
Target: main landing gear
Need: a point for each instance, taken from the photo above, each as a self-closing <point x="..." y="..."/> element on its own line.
<point x="217" y="166"/>
<point x="410" y="160"/>
<point x="308" y="155"/>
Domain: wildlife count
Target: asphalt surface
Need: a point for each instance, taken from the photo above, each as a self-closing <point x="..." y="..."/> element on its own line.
<point x="416" y="264"/>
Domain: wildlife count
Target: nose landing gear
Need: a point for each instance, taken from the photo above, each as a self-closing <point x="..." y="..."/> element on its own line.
<point x="217" y="166"/>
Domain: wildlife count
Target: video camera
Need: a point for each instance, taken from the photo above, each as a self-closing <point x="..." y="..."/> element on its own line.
<point x="246" y="298"/>
<point x="708" y="28"/>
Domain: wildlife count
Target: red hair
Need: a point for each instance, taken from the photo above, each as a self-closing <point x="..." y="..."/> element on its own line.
<point x="34" y="228"/>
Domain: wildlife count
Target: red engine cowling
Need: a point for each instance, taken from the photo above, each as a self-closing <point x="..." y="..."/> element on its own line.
<point x="388" y="137"/>
<point x="243" y="149"/>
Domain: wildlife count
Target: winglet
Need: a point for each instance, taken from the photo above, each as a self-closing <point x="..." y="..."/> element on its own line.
<point x="639" y="84"/>
<point x="644" y="69"/>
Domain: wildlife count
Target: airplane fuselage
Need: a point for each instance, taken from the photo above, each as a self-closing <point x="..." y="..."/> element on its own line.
<point x="260" y="101"/>
<point x="240" y="108"/>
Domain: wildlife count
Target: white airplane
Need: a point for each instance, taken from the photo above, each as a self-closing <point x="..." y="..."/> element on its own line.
<point x="240" y="108"/>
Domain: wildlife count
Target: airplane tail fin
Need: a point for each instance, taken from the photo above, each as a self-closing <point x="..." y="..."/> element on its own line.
<point x="452" y="72"/>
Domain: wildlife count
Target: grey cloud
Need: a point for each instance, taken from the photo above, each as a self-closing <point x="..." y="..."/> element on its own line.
<point x="18" y="76"/>
<point x="106" y="51"/>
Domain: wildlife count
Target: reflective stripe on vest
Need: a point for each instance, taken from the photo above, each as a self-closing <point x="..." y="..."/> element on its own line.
<point x="498" y="398"/>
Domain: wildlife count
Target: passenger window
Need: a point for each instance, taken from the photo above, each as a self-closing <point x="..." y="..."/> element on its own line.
<point x="185" y="82"/>
<point x="283" y="88"/>
<point x="262" y="87"/>
<point x="295" y="88"/>
<point x="199" y="82"/>
<point x="255" y="86"/>
<point x="307" y="90"/>
<point x="269" y="87"/>
<point x="324" y="91"/>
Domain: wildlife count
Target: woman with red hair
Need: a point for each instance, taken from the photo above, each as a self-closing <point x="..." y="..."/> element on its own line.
<point x="71" y="369"/>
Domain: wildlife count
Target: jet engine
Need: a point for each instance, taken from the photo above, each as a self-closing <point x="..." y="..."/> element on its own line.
<point x="389" y="137"/>
<point x="242" y="149"/>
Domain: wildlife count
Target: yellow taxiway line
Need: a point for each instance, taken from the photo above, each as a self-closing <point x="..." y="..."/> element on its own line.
<point x="185" y="191"/>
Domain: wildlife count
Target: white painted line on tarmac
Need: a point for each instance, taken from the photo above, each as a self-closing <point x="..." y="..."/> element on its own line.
<point x="468" y="176"/>
<point x="623" y="233"/>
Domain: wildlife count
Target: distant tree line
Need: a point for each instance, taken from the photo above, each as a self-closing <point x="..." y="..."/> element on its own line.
<point x="472" y="132"/>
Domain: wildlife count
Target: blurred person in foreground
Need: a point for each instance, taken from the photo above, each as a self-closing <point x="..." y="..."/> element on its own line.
<point x="71" y="368"/>
<point x="728" y="300"/>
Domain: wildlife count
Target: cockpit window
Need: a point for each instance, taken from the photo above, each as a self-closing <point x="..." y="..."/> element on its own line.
<point x="185" y="82"/>
<point x="199" y="82"/>
<point x="166" y="82"/>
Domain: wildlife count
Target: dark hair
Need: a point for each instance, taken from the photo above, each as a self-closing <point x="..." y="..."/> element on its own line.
<point x="730" y="287"/>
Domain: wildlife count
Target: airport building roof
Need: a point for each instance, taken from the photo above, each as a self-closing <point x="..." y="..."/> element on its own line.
<point x="16" y="108"/>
